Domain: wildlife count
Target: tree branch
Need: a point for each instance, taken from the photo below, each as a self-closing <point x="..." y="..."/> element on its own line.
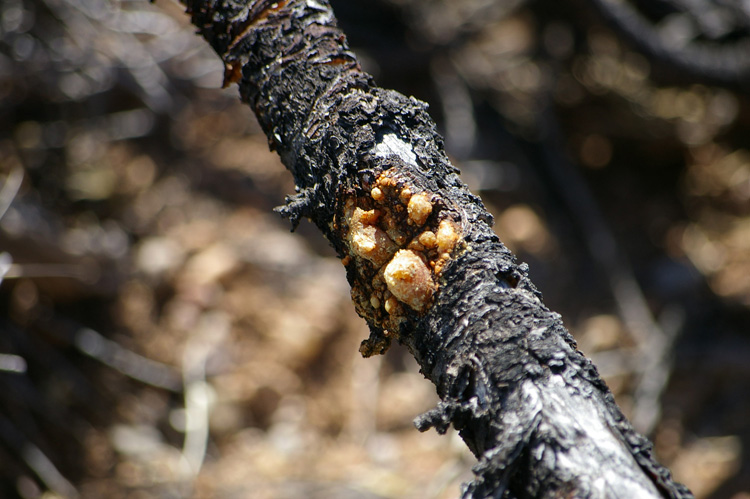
<point x="424" y="264"/>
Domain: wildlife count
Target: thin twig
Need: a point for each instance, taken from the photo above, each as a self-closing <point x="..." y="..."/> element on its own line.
<point x="10" y="363"/>
<point x="212" y="328"/>
<point x="10" y="189"/>
<point x="127" y="362"/>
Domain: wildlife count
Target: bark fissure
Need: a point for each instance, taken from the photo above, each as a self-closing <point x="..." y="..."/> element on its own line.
<point x="530" y="406"/>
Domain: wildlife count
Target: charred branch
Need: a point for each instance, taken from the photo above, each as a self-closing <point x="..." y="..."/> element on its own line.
<point x="425" y="266"/>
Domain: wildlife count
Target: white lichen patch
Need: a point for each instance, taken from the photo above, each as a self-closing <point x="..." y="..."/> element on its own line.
<point x="392" y="145"/>
<point x="369" y="241"/>
<point x="419" y="208"/>
<point x="409" y="279"/>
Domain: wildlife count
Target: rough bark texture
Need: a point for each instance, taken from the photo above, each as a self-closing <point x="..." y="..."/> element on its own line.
<point x="424" y="264"/>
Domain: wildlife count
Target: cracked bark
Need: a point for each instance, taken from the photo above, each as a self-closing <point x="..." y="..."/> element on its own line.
<point x="531" y="407"/>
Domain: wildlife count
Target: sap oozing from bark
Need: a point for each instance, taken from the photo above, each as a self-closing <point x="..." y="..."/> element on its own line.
<point x="399" y="239"/>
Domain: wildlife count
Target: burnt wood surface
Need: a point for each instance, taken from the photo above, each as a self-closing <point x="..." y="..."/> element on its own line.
<point x="528" y="404"/>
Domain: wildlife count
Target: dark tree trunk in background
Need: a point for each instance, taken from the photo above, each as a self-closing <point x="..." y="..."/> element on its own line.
<point x="424" y="264"/>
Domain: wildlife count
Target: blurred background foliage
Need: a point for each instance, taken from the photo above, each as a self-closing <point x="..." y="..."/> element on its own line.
<point x="163" y="334"/>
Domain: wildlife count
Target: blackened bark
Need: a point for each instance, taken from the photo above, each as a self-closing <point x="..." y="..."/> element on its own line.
<point x="424" y="264"/>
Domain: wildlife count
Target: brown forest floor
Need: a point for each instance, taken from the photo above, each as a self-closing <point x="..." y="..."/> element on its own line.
<point x="163" y="334"/>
